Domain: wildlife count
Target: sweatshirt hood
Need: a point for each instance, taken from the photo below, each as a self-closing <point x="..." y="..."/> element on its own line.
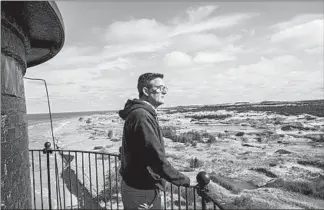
<point x="131" y="105"/>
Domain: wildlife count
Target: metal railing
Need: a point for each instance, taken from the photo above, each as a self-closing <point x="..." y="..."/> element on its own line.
<point x="70" y="179"/>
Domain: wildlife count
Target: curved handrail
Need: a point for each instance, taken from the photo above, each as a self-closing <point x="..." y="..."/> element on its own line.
<point x="83" y="151"/>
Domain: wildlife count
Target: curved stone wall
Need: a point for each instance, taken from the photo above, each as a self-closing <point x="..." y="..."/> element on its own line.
<point x="15" y="177"/>
<point x="32" y="32"/>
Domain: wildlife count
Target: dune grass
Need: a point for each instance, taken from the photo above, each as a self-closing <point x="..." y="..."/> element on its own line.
<point x="313" y="188"/>
<point x="195" y="163"/>
<point x="224" y="182"/>
<point x="187" y="137"/>
<point x="315" y="163"/>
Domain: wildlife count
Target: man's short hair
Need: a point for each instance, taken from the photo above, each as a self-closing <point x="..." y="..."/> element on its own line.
<point x="144" y="79"/>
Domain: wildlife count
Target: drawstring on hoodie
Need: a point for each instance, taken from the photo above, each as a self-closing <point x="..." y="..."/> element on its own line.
<point x="155" y="196"/>
<point x="150" y="206"/>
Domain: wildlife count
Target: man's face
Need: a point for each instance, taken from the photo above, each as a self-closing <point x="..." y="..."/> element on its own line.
<point x="156" y="92"/>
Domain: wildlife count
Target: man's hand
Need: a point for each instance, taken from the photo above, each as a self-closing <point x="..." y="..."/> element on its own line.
<point x="190" y="181"/>
<point x="145" y="206"/>
<point x="193" y="181"/>
<point x="187" y="182"/>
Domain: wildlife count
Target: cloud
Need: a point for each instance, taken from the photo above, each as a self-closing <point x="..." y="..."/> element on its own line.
<point x="195" y="14"/>
<point x="192" y="43"/>
<point x="212" y="57"/>
<point x="118" y="64"/>
<point x="278" y="72"/>
<point x="111" y="51"/>
<point x="224" y="53"/>
<point x="218" y="22"/>
<point x="247" y="32"/>
<point x="299" y="34"/>
<point x="280" y="78"/>
<point x="190" y="34"/>
<point x="196" y="42"/>
<point x="136" y="31"/>
<point x="177" y="58"/>
<point x="66" y="76"/>
<point x="315" y="50"/>
<point x="200" y="13"/>
<point x="296" y="20"/>
<point x="74" y="55"/>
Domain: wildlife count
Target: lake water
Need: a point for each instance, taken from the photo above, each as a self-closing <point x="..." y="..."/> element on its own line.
<point x="39" y="126"/>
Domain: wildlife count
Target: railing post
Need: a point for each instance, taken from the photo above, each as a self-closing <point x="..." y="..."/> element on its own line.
<point x="120" y="151"/>
<point x="48" y="151"/>
<point x="203" y="204"/>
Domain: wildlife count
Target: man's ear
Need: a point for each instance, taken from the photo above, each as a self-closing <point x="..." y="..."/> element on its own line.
<point x="146" y="91"/>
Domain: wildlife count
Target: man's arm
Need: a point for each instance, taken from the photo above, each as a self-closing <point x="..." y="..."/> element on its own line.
<point x="156" y="156"/>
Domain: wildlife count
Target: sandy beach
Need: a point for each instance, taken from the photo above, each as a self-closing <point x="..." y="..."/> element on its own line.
<point x="258" y="159"/>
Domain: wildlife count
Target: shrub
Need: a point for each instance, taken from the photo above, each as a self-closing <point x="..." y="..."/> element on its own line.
<point x="191" y="137"/>
<point x="243" y="202"/>
<point x="264" y="171"/>
<point x="226" y="183"/>
<point x="179" y="147"/>
<point x="205" y="134"/>
<point x="316" y="163"/>
<point x="195" y="163"/>
<point x="195" y="135"/>
<point x="211" y="139"/>
<point x="221" y="135"/>
<point x="183" y="139"/>
<point x="241" y="133"/>
<point x="110" y="134"/>
<point x="314" y="188"/>
<point x="169" y="132"/>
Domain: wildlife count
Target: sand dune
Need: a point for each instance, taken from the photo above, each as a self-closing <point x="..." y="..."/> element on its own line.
<point x="271" y="147"/>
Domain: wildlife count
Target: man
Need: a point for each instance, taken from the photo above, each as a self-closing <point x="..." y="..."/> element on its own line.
<point x="144" y="167"/>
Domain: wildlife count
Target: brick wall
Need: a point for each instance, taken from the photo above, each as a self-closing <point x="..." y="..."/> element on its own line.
<point x="15" y="177"/>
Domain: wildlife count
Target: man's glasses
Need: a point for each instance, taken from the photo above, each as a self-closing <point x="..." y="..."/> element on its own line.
<point x="160" y="88"/>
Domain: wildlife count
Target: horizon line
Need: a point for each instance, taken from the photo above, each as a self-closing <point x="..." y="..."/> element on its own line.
<point x="185" y="106"/>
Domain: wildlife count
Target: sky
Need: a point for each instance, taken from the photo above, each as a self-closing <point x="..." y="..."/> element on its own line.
<point x="209" y="53"/>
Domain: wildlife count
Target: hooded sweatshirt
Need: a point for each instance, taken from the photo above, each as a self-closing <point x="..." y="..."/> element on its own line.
<point x="143" y="161"/>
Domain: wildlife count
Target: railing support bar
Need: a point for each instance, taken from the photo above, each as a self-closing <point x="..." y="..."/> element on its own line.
<point x="48" y="151"/>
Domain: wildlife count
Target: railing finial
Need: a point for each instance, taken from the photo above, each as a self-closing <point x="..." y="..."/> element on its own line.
<point x="203" y="179"/>
<point x="47" y="148"/>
